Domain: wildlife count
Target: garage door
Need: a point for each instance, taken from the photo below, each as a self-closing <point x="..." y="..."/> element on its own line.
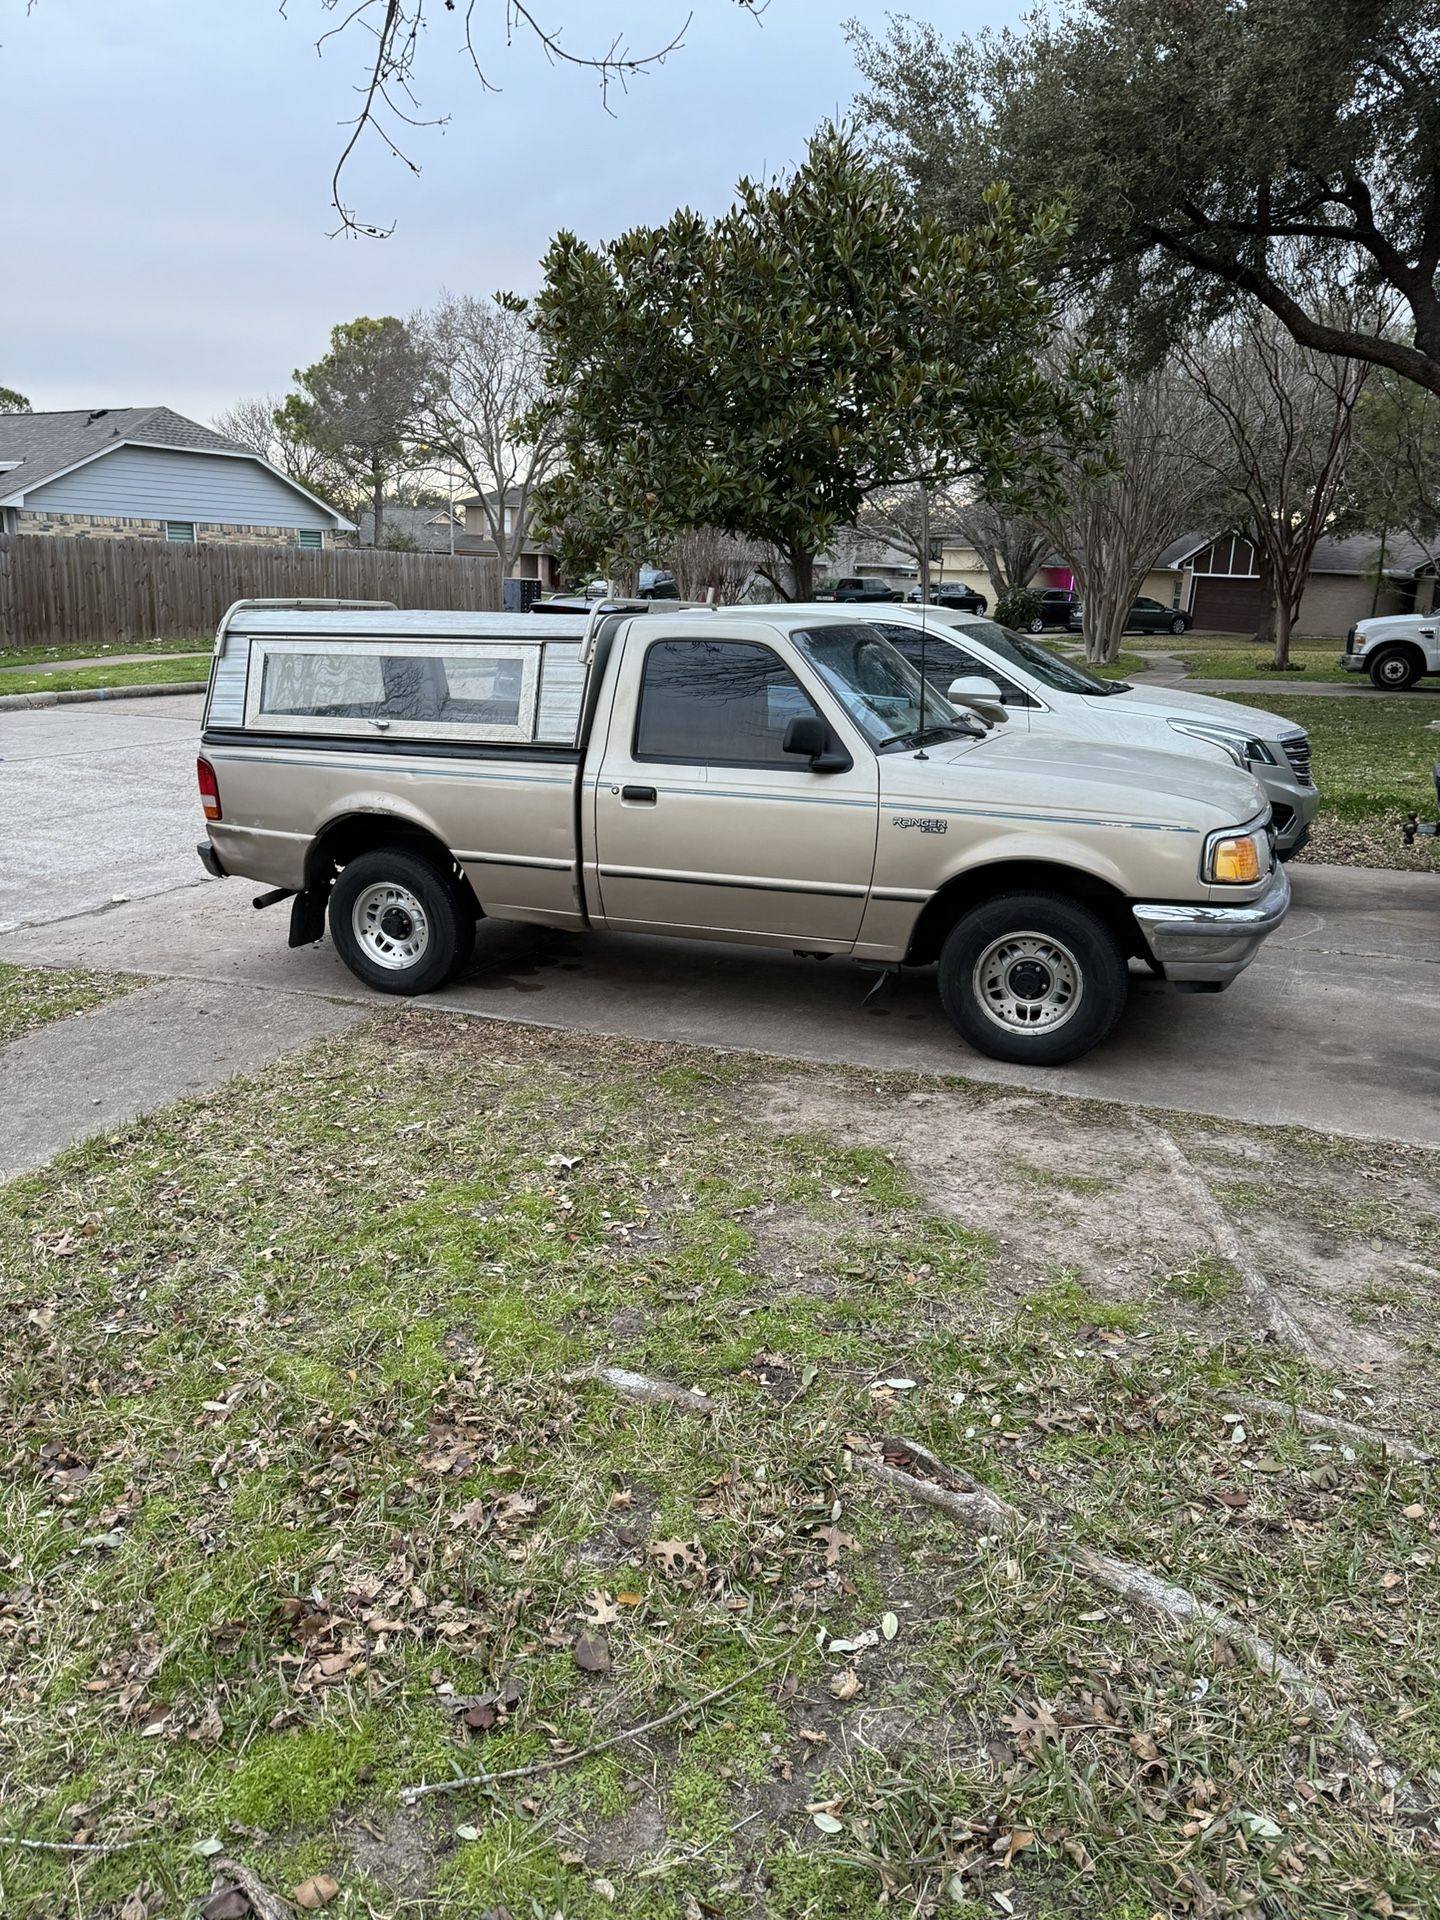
<point x="1227" y="605"/>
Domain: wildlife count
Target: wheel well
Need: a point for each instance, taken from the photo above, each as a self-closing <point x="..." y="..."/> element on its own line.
<point x="1398" y="646"/>
<point x="356" y="833"/>
<point x="967" y="890"/>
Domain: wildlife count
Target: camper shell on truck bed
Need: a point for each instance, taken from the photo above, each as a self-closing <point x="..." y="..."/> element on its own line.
<point x="757" y="776"/>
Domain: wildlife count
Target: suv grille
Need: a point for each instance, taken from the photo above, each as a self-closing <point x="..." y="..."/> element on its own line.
<point x="1297" y="752"/>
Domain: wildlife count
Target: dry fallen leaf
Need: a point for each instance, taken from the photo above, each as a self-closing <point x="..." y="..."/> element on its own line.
<point x="316" y="1892"/>
<point x="600" y="1610"/>
<point x="592" y="1655"/>
<point x="834" y="1541"/>
<point x="134" y="1907"/>
<point x="845" y="1684"/>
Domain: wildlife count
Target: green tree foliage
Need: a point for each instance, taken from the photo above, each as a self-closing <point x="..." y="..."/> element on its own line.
<point x="1214" y="150"/>
<point x="1392" y="484"/>
<point x="357" y="405"/>
<point x="763" y="372"/>
<point x="13" y="402"/>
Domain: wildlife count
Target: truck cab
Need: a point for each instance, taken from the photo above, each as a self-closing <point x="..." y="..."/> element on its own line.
<point x="1395" y="649"/>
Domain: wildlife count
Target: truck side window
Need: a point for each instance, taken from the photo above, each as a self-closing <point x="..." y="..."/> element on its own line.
<point x="725" y="703"/>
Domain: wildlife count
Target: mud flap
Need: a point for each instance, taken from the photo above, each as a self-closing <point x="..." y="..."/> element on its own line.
<point x="307" y="917"/>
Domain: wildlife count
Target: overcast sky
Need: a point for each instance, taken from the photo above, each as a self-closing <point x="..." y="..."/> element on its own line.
<point x="166" y="214"/>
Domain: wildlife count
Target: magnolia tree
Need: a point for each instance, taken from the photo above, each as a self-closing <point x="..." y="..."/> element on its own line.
<point x="766" y="372"/>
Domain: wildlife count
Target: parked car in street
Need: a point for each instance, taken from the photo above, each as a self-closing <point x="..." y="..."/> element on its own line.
<point x="782" y="779"/>
<point x="860" y="589"/>
<point x="1035" y="691"/>
<point x="1059" y="607"/>
<point x="964" y="599"/>
<point x="1152" y="616"/>
<point x="1395" y="649"/>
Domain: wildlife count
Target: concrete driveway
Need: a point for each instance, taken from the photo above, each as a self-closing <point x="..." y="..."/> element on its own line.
<point x="1334" y="1027"/>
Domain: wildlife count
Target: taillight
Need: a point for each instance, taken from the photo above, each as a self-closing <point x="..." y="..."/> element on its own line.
<point x="209" y="791"/>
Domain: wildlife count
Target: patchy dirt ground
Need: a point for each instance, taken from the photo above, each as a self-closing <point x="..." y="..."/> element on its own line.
<point x="311" y="1496"/>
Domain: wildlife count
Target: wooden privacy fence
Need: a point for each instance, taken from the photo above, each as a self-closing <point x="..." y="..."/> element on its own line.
<point x="63" y="592"/>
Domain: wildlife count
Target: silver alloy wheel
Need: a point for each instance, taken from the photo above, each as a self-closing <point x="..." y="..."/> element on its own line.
<point x="1028" y="983"/>
<point x="390" y="926"/>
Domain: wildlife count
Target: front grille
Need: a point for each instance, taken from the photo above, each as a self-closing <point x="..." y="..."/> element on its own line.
<point x="1297" y="752"/>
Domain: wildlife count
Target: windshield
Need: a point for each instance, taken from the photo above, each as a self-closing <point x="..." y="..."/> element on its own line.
<point x="1066" y="676"/>
<point x="881" y="692"/>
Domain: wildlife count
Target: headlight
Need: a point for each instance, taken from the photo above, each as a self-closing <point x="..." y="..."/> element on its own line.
<point x="1243" y="748"/>
<point x="1237" y="859"/>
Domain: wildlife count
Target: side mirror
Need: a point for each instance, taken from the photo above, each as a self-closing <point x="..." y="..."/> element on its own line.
<point x="973" y="690"/>
<point x="807" y="735"/>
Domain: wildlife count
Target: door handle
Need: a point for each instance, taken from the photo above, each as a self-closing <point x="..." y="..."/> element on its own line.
<point x="639" y="796"/>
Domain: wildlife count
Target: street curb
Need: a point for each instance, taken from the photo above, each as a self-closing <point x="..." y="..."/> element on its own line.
<point x="71" y="696"/>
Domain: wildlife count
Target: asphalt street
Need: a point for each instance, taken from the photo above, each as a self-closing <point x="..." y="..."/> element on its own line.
<point x="1334" y="1027"/>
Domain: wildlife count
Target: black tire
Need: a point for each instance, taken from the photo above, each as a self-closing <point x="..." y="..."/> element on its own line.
<point x="1079" y="943"/>
<point x="1394" y="669"/>
<point x="441" y="933"/>
<point x="1037" y="625"/>
<point x="1179" y="623"/>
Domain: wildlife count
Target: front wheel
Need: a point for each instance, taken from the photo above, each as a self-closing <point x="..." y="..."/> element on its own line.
<point x="400" y="921"/>
<point x="1178" y="625"/>
<point x="1037" y="625"/>
<point x="1032" y="977"/>
<point x="1394" y="671"/>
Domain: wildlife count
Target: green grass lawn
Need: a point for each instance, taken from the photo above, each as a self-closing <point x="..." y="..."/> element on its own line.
<point x="298" y="1473"/>
<point x="96" y="650"/>
<point x="31" y="996"/>
<point x="1372" y="761"/>
<point x="1253" y="663"/>
<point x="140" y="673"/>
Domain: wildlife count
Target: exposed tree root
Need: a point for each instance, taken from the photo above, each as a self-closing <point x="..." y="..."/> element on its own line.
<point x="1262" y="1298"/>
<point x="979" y="1510"/>
<point x="1392" y="1443"/>
<point x="639" y="1386"/>
<point x="263" y="1903"/>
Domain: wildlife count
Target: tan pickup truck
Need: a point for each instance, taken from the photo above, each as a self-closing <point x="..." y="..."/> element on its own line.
<point x="721" y="776"/>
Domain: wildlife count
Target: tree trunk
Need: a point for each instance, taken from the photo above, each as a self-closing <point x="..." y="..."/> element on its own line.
<point x="1105" y="613"/>
<point x="377" y="507"/>
<point x="1284" y="620"/>
<point x="802" y="565"/>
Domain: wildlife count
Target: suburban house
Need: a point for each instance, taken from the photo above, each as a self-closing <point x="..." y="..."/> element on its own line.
<point x="421" y="529"/>
<point x="148" y="473"/>
<point x="537" y="559"/>
<point x="1349" y="580"/>
<point x="1216" y="578"/>
<point x="856" y="550"/>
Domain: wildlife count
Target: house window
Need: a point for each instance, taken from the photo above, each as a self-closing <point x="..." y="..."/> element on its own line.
<point x="310" y="537"/>
<point x="180" y="532"/>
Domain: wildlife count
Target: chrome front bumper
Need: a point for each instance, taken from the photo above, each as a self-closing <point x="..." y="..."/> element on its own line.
<point x="1208" y="945"/>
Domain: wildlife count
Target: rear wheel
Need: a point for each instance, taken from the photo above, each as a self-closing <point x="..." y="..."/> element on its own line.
<point x="400" y="921"/>
<point x="1395" y="670"/>
<point x="1032" y="977"/>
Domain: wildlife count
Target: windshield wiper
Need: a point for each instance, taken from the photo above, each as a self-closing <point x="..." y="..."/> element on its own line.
<point x="921" y="736"/>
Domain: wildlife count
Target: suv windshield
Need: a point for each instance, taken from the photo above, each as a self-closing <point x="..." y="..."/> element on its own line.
<point x="881" y="692"/>
<point x="1066" y="676"/>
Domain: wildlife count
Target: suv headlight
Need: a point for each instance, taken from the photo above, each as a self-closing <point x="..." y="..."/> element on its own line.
<point x="1243" y="748"/>
<point x="1237" y="857"/>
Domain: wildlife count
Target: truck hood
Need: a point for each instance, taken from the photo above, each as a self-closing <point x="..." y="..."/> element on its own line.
<point x="1162" y="705"/>
<point x="1105" y="780"/>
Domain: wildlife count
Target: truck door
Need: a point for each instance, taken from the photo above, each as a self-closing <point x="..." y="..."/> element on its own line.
<point x="702" y="822"/>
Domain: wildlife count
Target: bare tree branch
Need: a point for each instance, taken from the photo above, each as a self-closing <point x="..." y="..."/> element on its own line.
<point x="396" y="28"/>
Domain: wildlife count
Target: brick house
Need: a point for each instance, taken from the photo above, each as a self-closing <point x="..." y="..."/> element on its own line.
<point x="148" y="473"/>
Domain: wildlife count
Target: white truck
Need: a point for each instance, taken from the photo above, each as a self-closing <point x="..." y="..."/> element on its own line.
<point x="773" y="779"/>
<point x="1395" y="649"/>
<point x="1020" y="683"/>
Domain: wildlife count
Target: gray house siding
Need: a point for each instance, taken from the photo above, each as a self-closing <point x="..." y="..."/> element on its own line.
<point x="152" y="483"/>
